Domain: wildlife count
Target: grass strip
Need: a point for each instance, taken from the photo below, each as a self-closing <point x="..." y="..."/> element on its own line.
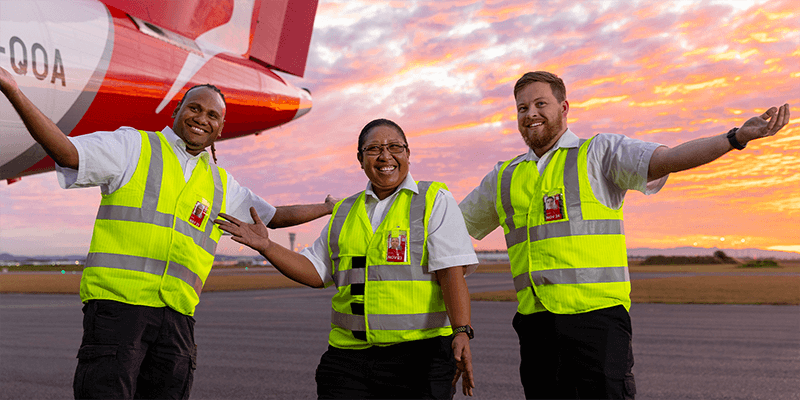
<point x="778" y="290"/>
<point x="70" y="284"/>
<point x="726" y="289"/>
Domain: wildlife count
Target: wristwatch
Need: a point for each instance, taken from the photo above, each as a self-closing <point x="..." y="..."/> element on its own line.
<point x="466" y="329"/>
<point x="732" y="138"/>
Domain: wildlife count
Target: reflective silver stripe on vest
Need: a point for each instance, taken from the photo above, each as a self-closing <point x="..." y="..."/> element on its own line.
<point x="580" y="275"/>
<point x="216" y="207"/>
<point x="349" y="277"/>
<point x="417" y="228"/>
<point x="152" y="188"/>
<point x="515" y="235"/>
<point x="569" y="228"/>
<point x="144" y="264"/>
<point x="522" y="281"/>
<point x="134" y="214"/>
<point x="336" y="229"/>
<point x="199" y="237"/>
<point x="185" y="274"/>
<point x="382" y="273"/>
<point x="348" y="321"/>
<point x="572" y="276"/>
<point x="130" y="263"/>
<point x="391" y="322"/>
<point x="386" y="322"/>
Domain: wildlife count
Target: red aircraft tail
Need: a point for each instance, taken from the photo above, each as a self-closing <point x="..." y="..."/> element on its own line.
<point x="279" y="31"/>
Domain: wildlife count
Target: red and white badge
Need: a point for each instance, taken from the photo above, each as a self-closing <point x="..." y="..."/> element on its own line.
<point x="199" y="213"/>
<point x="396" y="247"/>
<point x="553" y="207"/>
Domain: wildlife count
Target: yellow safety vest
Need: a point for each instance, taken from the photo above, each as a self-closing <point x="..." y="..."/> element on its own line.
<point x="568" y="260"/>
<point x="381" y="299"/>
<point x="154" y="238"/>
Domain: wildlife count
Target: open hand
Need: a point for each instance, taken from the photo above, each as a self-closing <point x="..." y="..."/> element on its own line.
<point x="463" y="357"/>
<point x="767" y="124"/>
<point x="253" y="235"/>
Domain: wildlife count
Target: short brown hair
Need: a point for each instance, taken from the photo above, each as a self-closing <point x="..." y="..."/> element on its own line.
<point x="556" y="84"/>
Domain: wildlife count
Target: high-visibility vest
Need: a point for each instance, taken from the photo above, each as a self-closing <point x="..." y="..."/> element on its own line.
<point x="382" y="302"/>
<point x="574" y="262"/>
<point x="154" y="238"/>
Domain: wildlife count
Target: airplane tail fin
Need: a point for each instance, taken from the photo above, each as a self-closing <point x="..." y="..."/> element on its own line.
<point x="279" y="31"/>
<point x="281" y="34"/>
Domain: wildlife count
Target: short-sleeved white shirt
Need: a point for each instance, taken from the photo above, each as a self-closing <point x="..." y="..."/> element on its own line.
<point x="109" y="158"/>
<point x="615" y="164"/>
<point x="448" y="242"/>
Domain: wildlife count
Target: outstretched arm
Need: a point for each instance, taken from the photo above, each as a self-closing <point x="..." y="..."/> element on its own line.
<point x="697" y="152"/>
<point x="41" y="128"/>
<point x="299" y="214"/>
<point x="456" y="299"/>
<point x="293" y="265"/>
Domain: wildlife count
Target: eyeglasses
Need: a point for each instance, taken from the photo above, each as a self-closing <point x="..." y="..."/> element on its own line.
<point x="377" y="149"/>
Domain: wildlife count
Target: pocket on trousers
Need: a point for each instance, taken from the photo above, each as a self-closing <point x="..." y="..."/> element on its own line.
<point x="95" y="362"/>
<point x="90" y="351"/>
<point x="194" y="358"/>
<point x="187" y="388"/>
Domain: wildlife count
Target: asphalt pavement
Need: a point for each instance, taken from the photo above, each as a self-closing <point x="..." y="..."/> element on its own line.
<point x="266" y="344"/>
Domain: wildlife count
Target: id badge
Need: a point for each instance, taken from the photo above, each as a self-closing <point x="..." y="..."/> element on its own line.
<point x="199" y="213"/>
<point x="396" y="246"/>
<point x="553" y="207"/>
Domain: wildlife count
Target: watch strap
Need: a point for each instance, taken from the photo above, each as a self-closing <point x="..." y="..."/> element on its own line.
<point x="734" y="142"/>
<point x="464" y="329"/>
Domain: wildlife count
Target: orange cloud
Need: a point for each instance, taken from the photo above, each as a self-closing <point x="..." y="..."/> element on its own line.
<point x="683" y="88"/>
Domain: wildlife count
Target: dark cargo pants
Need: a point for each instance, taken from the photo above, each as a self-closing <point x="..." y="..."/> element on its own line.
<point x="134" y="352"/>
<point x="419" y="369"/>
<point x="576" y="356"/>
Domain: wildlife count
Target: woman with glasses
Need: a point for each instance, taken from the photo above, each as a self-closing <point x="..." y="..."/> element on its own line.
<point x="397" y="253"/>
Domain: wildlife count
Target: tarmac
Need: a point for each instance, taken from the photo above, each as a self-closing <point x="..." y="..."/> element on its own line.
<point x="266" y="344"/>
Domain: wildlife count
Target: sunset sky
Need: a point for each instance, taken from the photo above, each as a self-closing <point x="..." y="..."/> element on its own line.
<point x="662" y="71"/>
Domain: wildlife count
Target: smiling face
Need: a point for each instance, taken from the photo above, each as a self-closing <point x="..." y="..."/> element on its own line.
<point x="541" y="118"/>
<point x="386" y="170"/>
<point x="199" y="118"/>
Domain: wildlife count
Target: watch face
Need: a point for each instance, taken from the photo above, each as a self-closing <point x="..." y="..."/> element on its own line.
<point x="465" y="329"/>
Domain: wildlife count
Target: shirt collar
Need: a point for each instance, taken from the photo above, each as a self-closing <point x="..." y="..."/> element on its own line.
<point x="179" y="145"/>
<point x="408" y="183"/>
<point x="567" y="140"/>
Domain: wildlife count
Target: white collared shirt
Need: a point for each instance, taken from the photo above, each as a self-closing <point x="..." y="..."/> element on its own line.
<point x="109" y="158"/>
<point x="448" y="242"/>
<point x="616" y="164"/>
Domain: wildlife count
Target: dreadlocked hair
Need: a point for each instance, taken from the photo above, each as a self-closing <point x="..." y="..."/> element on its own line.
<point x="213" y="153"/>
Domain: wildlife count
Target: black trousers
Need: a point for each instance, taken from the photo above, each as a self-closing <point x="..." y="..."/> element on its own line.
<point x="420" y="369"/>
<point x="134" y="352"/>
<point x="576" y="356"/>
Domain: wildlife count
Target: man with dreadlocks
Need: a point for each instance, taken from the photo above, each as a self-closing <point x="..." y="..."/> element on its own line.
<point x="153" y="242"/>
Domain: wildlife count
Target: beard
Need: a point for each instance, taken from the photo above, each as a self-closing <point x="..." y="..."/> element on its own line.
<point x="551" y="129"/>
